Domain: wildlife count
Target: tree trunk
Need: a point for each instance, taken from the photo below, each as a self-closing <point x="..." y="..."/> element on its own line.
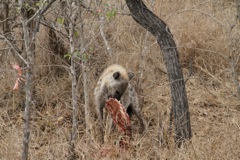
<point x="73" y="16"/>
<point x="85" y="76"/>
<point x="142" y="15"/>
<point x="29" y="46"/>
<point x="30" y="30"/>
<point x="28" y="91"/>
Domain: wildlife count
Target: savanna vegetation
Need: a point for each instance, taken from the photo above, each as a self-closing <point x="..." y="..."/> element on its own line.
<point x="66" y="46"/>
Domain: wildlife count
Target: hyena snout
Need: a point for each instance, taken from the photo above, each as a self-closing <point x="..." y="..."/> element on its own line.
<point x="117" y="95"/>
<point x="117" y="90"/>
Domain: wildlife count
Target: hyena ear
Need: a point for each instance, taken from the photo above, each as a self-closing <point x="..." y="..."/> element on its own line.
<point x="116" y="75"/>
<point x="130" y="75"/>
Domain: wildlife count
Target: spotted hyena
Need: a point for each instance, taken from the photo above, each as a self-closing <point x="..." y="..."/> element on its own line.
<point x="114" y="82"/>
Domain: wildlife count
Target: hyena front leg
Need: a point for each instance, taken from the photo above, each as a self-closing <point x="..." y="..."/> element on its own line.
<point x="140" y="118"/>
<point x="100" y="120"/>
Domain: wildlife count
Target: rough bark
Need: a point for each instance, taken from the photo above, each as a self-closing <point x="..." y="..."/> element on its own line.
<point x="30" y="29"/>
<point x="73" y="16"/>
<point x="28" y="45"/>
<point x="142" y="63"/>
<point x="28" y="91"/>
<point x="142" y="15"/>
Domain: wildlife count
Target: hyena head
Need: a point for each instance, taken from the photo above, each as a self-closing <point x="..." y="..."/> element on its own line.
<point x="118" y="84"/>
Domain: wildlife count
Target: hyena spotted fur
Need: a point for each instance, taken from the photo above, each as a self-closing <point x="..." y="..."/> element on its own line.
<point x="114" y="82"/>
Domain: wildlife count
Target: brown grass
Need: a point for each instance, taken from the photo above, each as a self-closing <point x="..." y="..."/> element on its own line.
<point x="204" y="38"/>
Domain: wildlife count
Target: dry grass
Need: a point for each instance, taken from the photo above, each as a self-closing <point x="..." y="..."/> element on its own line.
<point x="202" y="30"/>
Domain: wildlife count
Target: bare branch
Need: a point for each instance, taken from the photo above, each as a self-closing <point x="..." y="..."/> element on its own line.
<point x="96" y="13"/>
<point x="101" y="29"/>
<point x="40" y="11"/>
<point x="53" y="28"/>
<point x="199" y="11"/>
<point x="15" y="48"/>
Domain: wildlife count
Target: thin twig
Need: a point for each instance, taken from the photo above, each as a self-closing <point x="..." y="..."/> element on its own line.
<point x="101" y="28"/>
<point x="199" y="11"/>
<point x="40" y="11"/>
<point x="15" y="48"/>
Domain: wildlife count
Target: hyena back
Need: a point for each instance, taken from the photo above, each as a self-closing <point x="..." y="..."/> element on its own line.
<point x="114" y="82"/>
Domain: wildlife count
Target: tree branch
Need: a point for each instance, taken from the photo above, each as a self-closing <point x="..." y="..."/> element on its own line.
<point x="40" y="11"/>
<point x="15" y="48"/>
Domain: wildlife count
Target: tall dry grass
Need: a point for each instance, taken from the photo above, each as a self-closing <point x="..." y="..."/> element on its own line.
<point x="205" y="40"/>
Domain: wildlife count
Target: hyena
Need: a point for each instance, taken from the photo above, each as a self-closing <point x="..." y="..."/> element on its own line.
<point x="114" y="83"/>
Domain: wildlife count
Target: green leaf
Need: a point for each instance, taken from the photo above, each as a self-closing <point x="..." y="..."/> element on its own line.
<point x="111" y="14"/>
<point x="45" y="3"/>
<point x="84" y="57"/>
<point x="76" y="34"/>
<point x="41" y="2"/>
<point x="38" y="4"/>
<point x="68" y="55"/>
<point x="91" y="49"/>
<point x="106" y="5"/>
<point x="60" y="20"/>
<point x="77" y="53"/>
